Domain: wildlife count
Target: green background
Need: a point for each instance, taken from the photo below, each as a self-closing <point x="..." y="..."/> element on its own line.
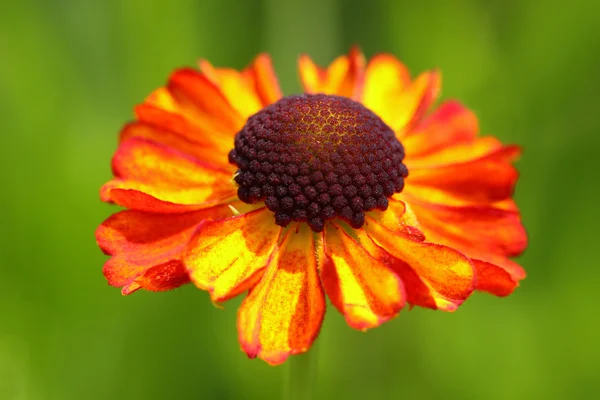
<point x="70" y="73"/>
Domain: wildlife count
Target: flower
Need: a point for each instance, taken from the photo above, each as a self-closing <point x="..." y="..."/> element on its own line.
<point x="352" y="190"/>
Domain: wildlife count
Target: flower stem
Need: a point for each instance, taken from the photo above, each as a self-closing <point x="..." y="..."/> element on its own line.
<point x="300" y="376"/>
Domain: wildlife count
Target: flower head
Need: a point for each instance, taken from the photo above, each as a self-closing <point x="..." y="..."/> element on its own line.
<point x="354" y="190"/>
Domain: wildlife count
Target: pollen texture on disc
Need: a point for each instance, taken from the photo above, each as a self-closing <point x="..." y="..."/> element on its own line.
<point x="313" y="158"/>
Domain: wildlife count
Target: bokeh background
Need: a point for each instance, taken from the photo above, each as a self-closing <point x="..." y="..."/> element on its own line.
<point x="70" y="73"/>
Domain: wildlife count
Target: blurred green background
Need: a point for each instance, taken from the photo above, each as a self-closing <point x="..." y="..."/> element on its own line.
<point x="70" y="73"/>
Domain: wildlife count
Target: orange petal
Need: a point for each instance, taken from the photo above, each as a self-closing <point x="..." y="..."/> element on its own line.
<point x="482" y="229"/>
<point x="448" y="275"/>
<point x="488" y="234"/>
<point x="262" y="75"/>
<point x="399" y="219"/>
<point x="417" y="292"/>
<point x="249" y="90"/>
<point x="508" y="205"/>
<point x="483" y="147"/>
<point x="165" y="130"/>
<point x="450" y="124"/>
<point x="343" y="77"/>
<point x="390" y="93"/>
<point x="119" y="192"/>
<point x="200" y="100"/>
<point x="178" y="122"/>
<point x="516" y="272"/>
<point x="235" y="86"/>
<point x="282" y="315"/>
<point x="227" y="257"/>
<point x="146" y="248"/>
<point x="494" y="279"/>
<point x="361" y="287"/>
<point x="159" y="278"/>
<point x="486" y="179"/>
<point x="166" y="174"/>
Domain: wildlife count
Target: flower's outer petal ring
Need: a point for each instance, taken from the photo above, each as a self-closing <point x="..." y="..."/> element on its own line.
<point x="343" y="77"/>
<point x="467" y="229"/>
<point x="450" y="124"/>
<point x="389" y="93"/>
<point x="235" y="86"/>
<point x="176" y="132"/>
<point x="167" y="175"/>
<point x="481" y="147"/>
<point x="249" y="90"/>
<point x="228" y="256"/>
<point x="516" y="272"/>
<point x="134" y="196"/>
<point x="264" y="79"/>
<point x="483" y="229"/>
<point x="283" y="313"/>
<point x="417" y="292"/>
<point x="494" y="279"/>
<point x="487" y="179"/>
<point x="158" y="278"/>
<point x="146" y="248"/>
<point x="386" y="78"/>
<point x="361" y="287"/>
<point x="448" y="274"/>
<point x="200" y="100"/>
<point x="399" y="219"/>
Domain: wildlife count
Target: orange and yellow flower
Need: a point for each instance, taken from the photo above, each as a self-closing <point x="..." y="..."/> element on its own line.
<point x="235" y="188"/>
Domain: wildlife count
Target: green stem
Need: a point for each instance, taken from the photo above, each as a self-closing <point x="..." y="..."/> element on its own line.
<point x="300" y="376"/>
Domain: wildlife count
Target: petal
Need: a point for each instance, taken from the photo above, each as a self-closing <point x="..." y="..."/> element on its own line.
<point x="361" y="287"/>
<point x="200" y="100"/>
<point x="508" y="204"/>
<point x="159" y="278"/>
<point x="484" y="229"/>
<point x="488" y="234"/>
<point x="418" y="292"/>
<point x="450" y="124"/>
<point x="172" y="131"/>
<point x="120" y="193"/>
<point x="483" y="147"/>
<point x="343" y="77"/>
<point x="494" y="279"/>
<point x="237" y="89"/>
<point x="146" y="248"/>
<point x="516" y="272"/>
<point x="166" y="174"/>
<point x="226" y="257"/>
<point x="486" y="179"/>
<point x="264" y="80"/>
<point x="399" y="219"/>
<point x="249" y="90"/>
<point x="389" y="92"/>
<point x="447" y="275"/>
<point x="282" y="315"/>
<point x="441" y="196"/>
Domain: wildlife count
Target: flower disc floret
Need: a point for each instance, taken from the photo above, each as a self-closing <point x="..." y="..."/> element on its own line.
<point x="313" y="158"/>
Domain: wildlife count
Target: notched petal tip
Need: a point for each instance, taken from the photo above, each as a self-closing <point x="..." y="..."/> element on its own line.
<point x="359" y="285"/>
<point x="343" y="77"/>
<point x="494" y="279"/>
<point x="282" y="314"/>
<point x="146" y="248"/>
<point x="434" y="276"/>
<point x="265" y="79"/>
<point x="398" y="100"/>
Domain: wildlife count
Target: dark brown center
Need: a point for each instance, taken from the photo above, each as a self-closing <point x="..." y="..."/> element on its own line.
<point x="313" y="158"/>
